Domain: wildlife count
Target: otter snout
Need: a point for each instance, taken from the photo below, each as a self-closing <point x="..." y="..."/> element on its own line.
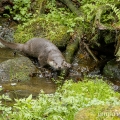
<point x="66" y="65"/>
<point x="59" y="66"/>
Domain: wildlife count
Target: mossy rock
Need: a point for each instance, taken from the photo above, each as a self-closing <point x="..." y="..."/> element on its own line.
<point x="16" y="69"/>
<point x="99" y="113"/>
<point x="112" y="69"/>
<point x="40" y="27"/>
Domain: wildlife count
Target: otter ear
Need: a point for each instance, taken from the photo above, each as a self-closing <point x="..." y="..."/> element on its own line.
<point x="65" y="64"/>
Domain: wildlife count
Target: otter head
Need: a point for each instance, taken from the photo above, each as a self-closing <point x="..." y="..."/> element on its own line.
<point x="59" y="64"/>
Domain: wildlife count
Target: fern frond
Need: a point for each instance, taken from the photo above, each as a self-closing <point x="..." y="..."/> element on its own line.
<point x="115" y="10"/>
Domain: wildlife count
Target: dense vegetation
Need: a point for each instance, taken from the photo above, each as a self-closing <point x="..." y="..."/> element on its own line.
<point x="54" y="18"/>
<point x="65" y="102"/>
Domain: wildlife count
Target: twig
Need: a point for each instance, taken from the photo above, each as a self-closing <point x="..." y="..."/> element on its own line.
<point x="90" y="52"/>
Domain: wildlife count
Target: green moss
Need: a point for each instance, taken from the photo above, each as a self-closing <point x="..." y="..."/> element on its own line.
<point x="70" y="50"/>
<point x="16" y="69"/>
<point x="41" y="27"/>
<point x="111" y="70"/>
<point x="96" y="88"/>
<point x="107" y="71"/>
<point x="99" y="112"/>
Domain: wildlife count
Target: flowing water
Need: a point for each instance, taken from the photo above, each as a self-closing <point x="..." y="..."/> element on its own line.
<point x="21" y="89"/>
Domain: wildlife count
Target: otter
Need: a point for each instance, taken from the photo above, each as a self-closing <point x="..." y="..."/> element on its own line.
<point x="42" y="49"/>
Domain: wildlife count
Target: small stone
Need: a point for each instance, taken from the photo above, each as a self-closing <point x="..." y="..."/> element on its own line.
<point x="13" y="84"/>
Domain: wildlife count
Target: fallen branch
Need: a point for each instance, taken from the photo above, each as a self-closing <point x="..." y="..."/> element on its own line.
<point x="70" y="5"/>
<point x="90" y="52"/>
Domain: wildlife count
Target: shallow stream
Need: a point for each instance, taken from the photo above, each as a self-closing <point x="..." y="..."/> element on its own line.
<point x="21" y="89"/>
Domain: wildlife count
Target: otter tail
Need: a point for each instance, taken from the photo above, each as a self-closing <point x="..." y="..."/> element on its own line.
<point x="10" y="45"/>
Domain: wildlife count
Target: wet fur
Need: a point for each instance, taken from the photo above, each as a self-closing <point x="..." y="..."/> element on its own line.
<point x="42" y="49"/>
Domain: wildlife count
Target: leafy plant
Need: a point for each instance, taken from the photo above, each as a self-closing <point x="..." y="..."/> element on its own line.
<point x="5" y="110"/>
<point x="115" y="10"/>
<point x="20" y="10"/>
<point x="65" y="102"/>
<point x="62" y="15"/>
<point x="61" y="78"/>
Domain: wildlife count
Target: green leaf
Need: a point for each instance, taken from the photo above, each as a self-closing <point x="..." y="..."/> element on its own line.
<point x="23" y="12"/>
<point x="29" y="98"/>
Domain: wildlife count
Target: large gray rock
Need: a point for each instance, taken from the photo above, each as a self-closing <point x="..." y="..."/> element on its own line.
<point x="18" y="68"/>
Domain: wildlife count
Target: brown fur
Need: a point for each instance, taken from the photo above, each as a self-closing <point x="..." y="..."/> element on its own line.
<point x="42" y="49"/>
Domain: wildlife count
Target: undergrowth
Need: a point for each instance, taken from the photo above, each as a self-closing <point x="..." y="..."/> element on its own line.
<point x="64" y="103"/>
<point x="20" y="10"/>
<point x="60" y="20"/>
